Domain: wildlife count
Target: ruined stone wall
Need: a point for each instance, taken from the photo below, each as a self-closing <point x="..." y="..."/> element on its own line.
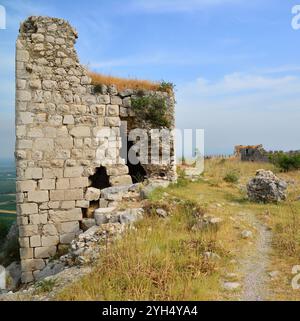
<point x="65" y="132"/>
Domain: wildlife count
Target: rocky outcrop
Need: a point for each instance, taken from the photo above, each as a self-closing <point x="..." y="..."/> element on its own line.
<point x="266" y="187"/>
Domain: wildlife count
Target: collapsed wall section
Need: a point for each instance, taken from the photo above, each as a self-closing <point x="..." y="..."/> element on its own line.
<point x="67" y="132"/>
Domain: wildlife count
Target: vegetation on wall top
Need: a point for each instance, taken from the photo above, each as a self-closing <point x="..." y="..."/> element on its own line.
<point x="127" y="83"/>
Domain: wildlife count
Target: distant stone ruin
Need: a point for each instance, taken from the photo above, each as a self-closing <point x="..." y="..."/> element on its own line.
<point x="251" y="153"/>
<point x="69" y="142"/>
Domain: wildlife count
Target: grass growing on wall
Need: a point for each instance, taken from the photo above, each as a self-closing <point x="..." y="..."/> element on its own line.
<point x="127" y="83"/>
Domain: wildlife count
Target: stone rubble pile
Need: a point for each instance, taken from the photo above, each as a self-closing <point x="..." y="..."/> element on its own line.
<point x="266" y="187"/>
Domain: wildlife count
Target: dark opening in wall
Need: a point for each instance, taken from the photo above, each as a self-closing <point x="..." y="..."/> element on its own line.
<point x="89" y="212"/>
<point x="100" y="179"/>
<point x="136" y="170"/>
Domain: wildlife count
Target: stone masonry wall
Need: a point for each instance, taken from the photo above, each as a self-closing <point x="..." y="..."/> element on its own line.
<point x="65" y="131"/>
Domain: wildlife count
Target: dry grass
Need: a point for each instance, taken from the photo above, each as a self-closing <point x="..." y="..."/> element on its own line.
<point x="162" y="259"/>
<point x="123" y="83"/>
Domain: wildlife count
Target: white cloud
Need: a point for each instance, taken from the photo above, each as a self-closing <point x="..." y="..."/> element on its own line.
<point x="242" y="109"/>
<point x="238" y="83"/>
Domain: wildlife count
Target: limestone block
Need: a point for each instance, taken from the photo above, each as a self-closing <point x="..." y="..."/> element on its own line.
<point x="32" y="264"/>
<point x="92" y="194"/>
<point x="68" y="120"/>
<point x="67" y="238"/>
<point x="103" y="203"/>
<point x="48" y="241"/>
<point x="79" y="182"/>
<point x="63" y="154"/>
<point x="62" y="183"/>
<point x="112" y="121"/>
<point x="49" y="85"/>
<point x="26" y="277"/>
<point x="126" y="93"/>
<point x="73" y="194"/>
<point x="28" y="208"/>
<point x="49" y="230"/>
<point x="22" y="55"/>
<point x="120" y="180"/>
<point x="115" y="100"/>
<point x="80" y="131"/>
<point x="23" y="95"/>
<point x="35" y="241"/>
<point x="43" y="144"/>
<point x="102" y="132"/>
<point x="86" y="80"/>
<point x="26" y="253"/>
<point x="112" y="110"/>
<point x="72" y="172"/>
<point x="53" y="204"/>
<point x="24" y="144"/>
<point x="26" y="186"/>
<point x="21" y="83"/>
<point x="44" y="252"/>
<point x="28" y="230"/>
<point x="65" y="205"/>
<point x="47" y="184"/>
<point x="35" y="84"/>
<point x="20" y="131"/>
<point x="68" y="227"/>
<point x="57" y="195"/>
<point x="66" y="216"/>
<point x="126" y="102"/>
<point x="43" y="218"/>
<point x="67" y="62"/>
<point x="22" y="220"/>
<point x="25" y="118"/>
<point x="53" y="172"/>
<point x="87" y="223"/>
<point x="38" y="196"/>
<point x="83" y="204"/>
<point x="55" y="120"/>
<point x="37" y="37"/>
<point x="98" y="109"/>
<point x="103" y="99"/>
<point x="123" y="112"/>
<point x="24" y="241"/>
<point x="35" y="133"/>
<point x="116" y="170"/>
<point x="34" y="219"/>
<point x="20" y="197"/>
<point x="33" y="173"/>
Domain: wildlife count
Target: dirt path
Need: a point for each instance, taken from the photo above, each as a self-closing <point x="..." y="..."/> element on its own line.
<point x="255" y="265"/>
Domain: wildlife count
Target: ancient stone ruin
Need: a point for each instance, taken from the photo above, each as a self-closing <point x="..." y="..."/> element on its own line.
<point x="70" y="144"/>
<point x="251" y="153"/>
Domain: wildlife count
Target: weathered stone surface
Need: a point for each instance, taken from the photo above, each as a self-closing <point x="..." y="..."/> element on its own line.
<point x="266" y="187"/>
<point x="120" y="180"/>
<point x="66" y="216"/>
<point x="28" y="208"/>
<point x="44" y="252"/>
<point x="26" y="186"/>
<point x="38" y="196"/>
<point x="65" y="130"/>
<point x="92" y="194"/>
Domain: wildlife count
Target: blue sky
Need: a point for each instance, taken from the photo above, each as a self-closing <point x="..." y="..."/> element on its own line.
<point x="235" y="63"/>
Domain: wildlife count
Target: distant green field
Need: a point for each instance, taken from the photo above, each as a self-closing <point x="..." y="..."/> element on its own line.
<point x="7" y="186"/>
